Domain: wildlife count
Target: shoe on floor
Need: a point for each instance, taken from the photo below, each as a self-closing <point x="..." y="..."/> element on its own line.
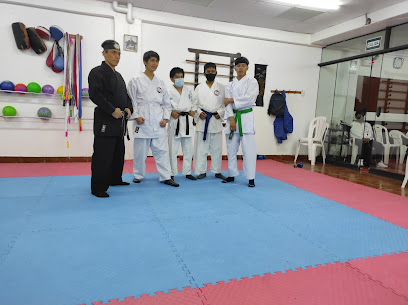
<point x="101" y="194"/>
<point x="120" y="183"/>
<point x="251" y="183"/>
<point x="171" y="182"/>
<point x="201" y="176"/>
<point x="135" y="180"/>
<point x="229" y="179"/>
<point x="191" y="177"/>
<point x="220" y="176"/>
<point x="381" y="165"/>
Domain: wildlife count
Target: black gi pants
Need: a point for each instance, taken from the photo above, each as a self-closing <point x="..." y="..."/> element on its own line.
<point x="366" y="152"/>
<point x="107" y="162"/>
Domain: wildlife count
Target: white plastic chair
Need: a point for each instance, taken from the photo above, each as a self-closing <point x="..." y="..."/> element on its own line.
<point x="397" y="137"/>
<point x="406" y="175"/>
<point x="379" y="130"/>
<point x="315" y="138"/>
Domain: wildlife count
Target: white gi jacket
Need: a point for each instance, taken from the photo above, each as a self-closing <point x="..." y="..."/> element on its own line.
<point x="151" y="102"/>
<point x="361" y="130"/>
<point x="181" y="103"/>
<point x="211" y="100"/>
<point x="244" y="92"/>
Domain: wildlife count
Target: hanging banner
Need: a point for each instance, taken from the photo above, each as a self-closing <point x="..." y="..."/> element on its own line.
<point x="260" y="76"/>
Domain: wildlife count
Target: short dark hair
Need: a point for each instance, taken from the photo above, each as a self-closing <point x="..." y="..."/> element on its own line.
<point x="176" y="70"/>
<point x="210" y="65"/>
<point x="109" y="45"/>
<point x="150" y="54"/>
<point x="241" y="60"/>
<point x="361" y="111"/>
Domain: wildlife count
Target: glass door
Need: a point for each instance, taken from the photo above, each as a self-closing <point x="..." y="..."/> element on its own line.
<point x="390" y="116"/>
<point x="351" y="95"/>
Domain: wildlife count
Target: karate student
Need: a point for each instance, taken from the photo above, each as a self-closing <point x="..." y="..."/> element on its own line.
<point x="181" y="127"/>
<point x="107" y="90"/>
<point x="152" y="108"/>
<point x="240" y="96"/>
<point x="209" y="113"/>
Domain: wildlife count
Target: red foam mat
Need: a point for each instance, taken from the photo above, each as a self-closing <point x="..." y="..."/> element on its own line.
<point x="390" y="270"/>
<point x="8" y="170"/>
<point x="362" y="282"/>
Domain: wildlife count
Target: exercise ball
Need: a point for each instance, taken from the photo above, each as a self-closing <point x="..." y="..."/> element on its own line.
<point x="7" y="85"/>
<point x="9" y="111"/>
<point x="34" y="87"/>
<point x="21" y="88"/>
<point x="60" y="90"/>
<point x="48" y="89"/>
<point x="44" y="112"/>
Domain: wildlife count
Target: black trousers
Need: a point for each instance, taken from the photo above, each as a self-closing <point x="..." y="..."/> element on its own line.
<point x="366" y="152"/>
<point x="107" y="162"/>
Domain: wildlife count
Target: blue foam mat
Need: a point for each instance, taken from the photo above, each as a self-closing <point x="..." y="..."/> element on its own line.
<point x="61" y="245"/>
<point x="89" y="264"/>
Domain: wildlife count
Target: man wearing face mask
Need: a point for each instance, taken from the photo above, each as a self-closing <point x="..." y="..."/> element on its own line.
<point x="209" y="110"/>
<point x="181" y="127"/>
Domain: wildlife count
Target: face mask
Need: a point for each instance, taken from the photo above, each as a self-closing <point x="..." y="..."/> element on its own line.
<point x="210" y="77"/>
<point x="179" y="82"/>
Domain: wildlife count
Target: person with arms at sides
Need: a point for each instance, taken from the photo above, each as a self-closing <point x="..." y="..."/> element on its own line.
<point x="364" y="138"/>
<point x="107" y="90"/>
<point x="152" y="108"/>
<point x="240" y="96"/>
<point x="208" y="99"/>
<point x="181" y="127"/>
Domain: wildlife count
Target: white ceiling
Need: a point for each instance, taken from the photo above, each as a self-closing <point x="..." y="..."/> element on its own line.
<point x="266" y="13"/>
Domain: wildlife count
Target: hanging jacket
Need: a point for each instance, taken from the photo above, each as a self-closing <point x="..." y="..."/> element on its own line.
<point x="283" y="125"/>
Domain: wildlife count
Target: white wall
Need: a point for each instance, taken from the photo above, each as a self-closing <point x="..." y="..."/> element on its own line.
<point x="34" y="137"/>
<point x="291" y="65"/>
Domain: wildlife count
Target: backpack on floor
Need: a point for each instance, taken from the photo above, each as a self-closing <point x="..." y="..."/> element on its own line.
<point x="277" y="104"/>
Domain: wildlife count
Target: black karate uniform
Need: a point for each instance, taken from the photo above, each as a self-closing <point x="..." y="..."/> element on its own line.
<point x="107" y="90"/>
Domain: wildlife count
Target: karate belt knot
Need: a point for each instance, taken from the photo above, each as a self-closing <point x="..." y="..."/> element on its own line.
<point x="187" y="123"/>
<point x="207" y="121"/>
<point x="238" y="118"/>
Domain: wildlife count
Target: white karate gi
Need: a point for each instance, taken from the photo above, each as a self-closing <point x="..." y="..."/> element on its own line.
<point x="244" y="92"/>
<point x="151" y="102"/>
<point x="181" y="103"/>
<point x="211" y="100"/>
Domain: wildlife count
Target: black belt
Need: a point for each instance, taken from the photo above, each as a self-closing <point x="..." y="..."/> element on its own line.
<point x="186" y="114"/>
<point x="124" y="125"/>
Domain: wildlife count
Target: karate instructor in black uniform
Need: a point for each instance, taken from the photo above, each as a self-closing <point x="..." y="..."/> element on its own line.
<point x="107" y="90"/>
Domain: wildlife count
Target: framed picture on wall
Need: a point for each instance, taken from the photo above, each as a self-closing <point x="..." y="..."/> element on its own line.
<point x="130" y="43"/>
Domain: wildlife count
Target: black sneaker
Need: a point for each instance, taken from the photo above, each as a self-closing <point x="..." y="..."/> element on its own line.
<point x="120" y="183"/>
<point x="135" y="180"/>
<point x="101" y="194"/>
<point x="220" y="176"/>
<point x="201" y="176"/>
<point x="172" y="178"/>
<point x="229" y="179"/>
<point x="171" y="183"/>
<point x="191" y="177"/>
<point x="251" y="183"/>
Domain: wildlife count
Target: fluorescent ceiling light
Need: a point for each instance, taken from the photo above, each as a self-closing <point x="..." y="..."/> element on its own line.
<point x="317" y="4"/>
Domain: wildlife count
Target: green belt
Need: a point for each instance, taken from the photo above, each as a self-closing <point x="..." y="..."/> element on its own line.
<point x="238" y="118"/>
